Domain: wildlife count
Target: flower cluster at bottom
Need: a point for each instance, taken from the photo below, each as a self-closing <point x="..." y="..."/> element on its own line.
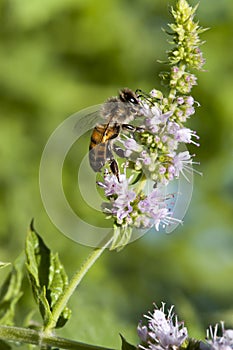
<point x="224" y="342"/>
<point x="163" y="331"/>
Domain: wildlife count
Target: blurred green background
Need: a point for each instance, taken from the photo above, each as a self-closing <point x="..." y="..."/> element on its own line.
<point x="58" y="57"/>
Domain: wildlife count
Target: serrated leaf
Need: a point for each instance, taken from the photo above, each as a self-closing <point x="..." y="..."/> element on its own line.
<point x="4" y="264"/>
<point x="58" y="280"/>
<point x="10" y="292"/>
<point x="125" y="345"/>
<point x="47" y="276"/>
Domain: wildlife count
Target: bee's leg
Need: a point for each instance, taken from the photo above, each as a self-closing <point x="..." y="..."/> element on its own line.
<point x="141" y="93"/>
<point x="139" y="129"/>
<point x="146" y="96"/>
<point x="112" y="162"/>
<point x="119" y="151"/>
<point x="128" y="127"/>
<point x="114" y="168"/>
<point x="132" y="128"/>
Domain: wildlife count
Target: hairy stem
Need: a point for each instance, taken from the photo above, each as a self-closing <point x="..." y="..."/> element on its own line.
<point x="74" y="282"/>
<point x="24" y="335"/>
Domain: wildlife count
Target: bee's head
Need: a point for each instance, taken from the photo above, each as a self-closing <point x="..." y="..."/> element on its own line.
<point x="127" y="95"/>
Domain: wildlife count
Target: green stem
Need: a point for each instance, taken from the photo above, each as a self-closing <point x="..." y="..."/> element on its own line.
<point x="24" y="335"/>
<point x="74" y="282"/>
<point x="141" y="184"/>
<point x="172" y="95"/>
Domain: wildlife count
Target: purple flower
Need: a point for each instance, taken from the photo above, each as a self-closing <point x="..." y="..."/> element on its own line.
<point x="131" y="146"/>
<point x="154" y="207"/>
<point x="157" y="118"/>
<point x="224" y="342"/>
<point x="145" y="157"/>
<point x="189" y="111"/>
<point x="121" y="206"/>
<point x="182" y="134"/>
<point x="189" y="100"/>
<point x="180" y="100"/>
<point x="163" y="331"/>
<point x="110" y="185"/>
<point x="142" y="332"/>
<point x="182" y="161"/>
<point x="185" y="135"/>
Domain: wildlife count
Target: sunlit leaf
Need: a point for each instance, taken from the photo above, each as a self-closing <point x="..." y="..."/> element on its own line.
<point x="10" y="292"/>
<point x="47" y="276"/>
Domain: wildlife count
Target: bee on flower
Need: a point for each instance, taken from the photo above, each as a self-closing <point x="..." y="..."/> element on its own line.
<point x="151" y="148"/>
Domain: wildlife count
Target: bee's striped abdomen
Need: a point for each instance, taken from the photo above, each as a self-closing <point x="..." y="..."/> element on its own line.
<point x="99" y="146"/>
<point x="97" y="135"/>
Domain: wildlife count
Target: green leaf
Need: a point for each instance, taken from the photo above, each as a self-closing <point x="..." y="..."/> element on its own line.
<point x="4" y="345"/>
<point x="193" y="344"/>
<point x="47" y="276"/>
<point x="138" y="178"/>
<point x="58" y="280"/>
<point x="125" y="345"/>
<point x="10" y="292"/>
<point x="4" y="264"/>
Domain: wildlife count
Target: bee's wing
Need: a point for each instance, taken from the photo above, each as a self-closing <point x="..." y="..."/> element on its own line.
<point x="180" y="203"/>
<point x="86" y="119"/>
<point x="107" y="112"/>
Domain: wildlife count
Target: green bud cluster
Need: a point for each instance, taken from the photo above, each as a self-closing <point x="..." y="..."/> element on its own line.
<point x="185" y="54"/>
<point x="185" y="32"/>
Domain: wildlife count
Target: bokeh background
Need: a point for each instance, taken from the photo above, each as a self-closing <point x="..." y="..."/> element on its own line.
<point x="58" y="57"/>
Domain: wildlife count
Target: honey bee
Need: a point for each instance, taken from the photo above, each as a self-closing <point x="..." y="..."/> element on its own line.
<point x="118" y="112"/>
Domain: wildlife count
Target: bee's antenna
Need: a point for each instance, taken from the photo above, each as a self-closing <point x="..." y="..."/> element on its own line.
<point x="141" y="93"/>
<point x="146" y="96"/>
